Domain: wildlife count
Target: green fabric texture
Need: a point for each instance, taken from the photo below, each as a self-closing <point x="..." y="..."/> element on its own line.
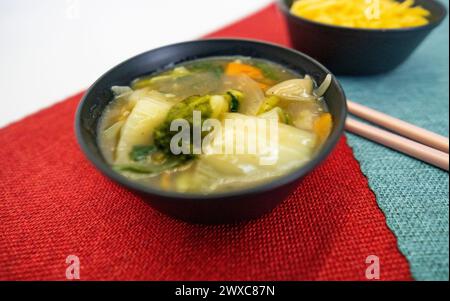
<point x="413" y="195"/>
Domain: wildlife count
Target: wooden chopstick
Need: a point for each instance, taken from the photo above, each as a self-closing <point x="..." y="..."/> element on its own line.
<point x="399" y="143"/>
<point x="399" y="126"/>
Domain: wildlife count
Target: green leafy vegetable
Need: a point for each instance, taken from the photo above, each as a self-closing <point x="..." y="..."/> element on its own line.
<point x="208" y="106"/>
<point x="234" y="103"/>
<point x="235" y="98"/>
<point x="183" y="110"/>
<point x="149" y="168"/>
<point x="141" y="152"/>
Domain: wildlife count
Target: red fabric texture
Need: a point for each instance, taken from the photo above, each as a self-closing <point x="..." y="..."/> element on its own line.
<point x="53" y="203"/>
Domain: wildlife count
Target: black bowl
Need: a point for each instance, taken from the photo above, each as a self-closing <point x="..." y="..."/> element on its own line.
<point x="217" y="208"/>
<point x="352" y="51"/>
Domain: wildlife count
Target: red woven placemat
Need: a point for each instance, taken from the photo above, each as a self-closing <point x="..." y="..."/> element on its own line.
<point x="53" y="204"/>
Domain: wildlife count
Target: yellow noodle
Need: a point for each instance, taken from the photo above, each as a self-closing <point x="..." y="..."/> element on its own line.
<point x="375" y="14"/>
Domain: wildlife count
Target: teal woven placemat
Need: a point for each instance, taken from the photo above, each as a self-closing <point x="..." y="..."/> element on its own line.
<point x="413" y="195"/>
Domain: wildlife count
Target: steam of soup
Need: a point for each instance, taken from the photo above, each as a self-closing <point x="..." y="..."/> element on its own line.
<point x="172" y="130"/>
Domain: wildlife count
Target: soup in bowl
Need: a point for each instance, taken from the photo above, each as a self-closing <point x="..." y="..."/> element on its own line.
<point x="214" y="130"/>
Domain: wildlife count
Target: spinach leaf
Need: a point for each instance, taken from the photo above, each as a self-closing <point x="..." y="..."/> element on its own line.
<point x="141" y="152"/>
<point x="234" y="103"/>
<point x="149" y="168"/>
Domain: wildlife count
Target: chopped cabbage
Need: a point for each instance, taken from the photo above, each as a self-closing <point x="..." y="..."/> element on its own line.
<point x="139" y="126"/>
<point x="216" y="171"/>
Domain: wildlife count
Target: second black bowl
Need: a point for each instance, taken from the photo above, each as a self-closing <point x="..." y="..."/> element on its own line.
<point x="354" y="51"/>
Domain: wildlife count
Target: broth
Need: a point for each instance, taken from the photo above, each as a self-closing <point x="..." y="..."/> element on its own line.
<point x="277" y="117"/>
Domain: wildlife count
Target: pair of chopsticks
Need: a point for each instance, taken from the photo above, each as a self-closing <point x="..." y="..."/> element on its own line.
<point x="410" y="139"/>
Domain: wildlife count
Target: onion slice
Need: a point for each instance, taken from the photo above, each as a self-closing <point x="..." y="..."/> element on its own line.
<point x="294" y="89"/>
<point x="319" y="92"/>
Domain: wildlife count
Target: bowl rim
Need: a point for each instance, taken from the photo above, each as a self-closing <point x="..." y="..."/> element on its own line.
<point x="432" y="24"/>
<point x="294" y="175"/>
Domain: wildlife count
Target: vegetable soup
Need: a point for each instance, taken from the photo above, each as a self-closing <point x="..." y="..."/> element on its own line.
<point x="172" y="130"/>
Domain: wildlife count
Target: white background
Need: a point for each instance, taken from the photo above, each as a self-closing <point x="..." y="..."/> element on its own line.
<point x="51" y="49"/>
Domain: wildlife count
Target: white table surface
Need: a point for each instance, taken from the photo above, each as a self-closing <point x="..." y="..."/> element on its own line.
<point x="51" y="49"/>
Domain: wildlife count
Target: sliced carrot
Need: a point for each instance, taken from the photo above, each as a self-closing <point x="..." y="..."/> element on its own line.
<point x="323" y="126"/>
<point x="263" y="87"/>
<point x="236" y="68"/>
